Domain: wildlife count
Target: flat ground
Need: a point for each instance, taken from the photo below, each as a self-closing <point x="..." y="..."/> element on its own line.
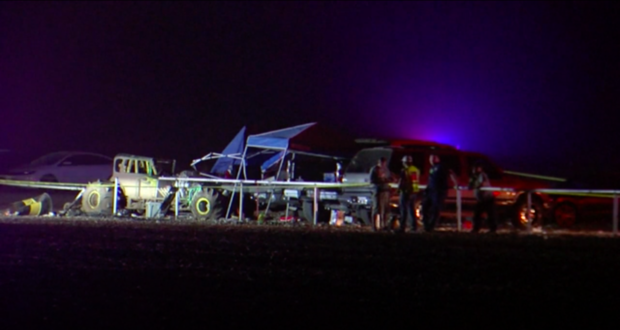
<point x="98" y="274"/>
<point x="85" y="273"/>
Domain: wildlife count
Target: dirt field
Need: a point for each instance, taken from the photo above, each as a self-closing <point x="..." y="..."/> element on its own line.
<point x="98" y="274"/>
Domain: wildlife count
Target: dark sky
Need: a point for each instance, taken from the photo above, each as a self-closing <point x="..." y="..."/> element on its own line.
<point x="532" y="84"/>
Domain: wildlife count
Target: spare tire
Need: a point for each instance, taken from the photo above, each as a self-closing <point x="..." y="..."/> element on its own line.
<point x="98" y="200"/>
<point x="35" y="206"/>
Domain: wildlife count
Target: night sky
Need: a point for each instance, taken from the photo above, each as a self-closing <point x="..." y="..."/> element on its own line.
<point x="532" y="84"/>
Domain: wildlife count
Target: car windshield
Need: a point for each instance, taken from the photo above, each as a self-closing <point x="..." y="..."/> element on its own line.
<point x="49" y="159"/>
<point x="366" y="159"/>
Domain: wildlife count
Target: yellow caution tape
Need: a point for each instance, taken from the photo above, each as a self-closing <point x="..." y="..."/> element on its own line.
<point x="581" y="194"/>
<point x="543" y="177"/>
<point x="46" y="185"/>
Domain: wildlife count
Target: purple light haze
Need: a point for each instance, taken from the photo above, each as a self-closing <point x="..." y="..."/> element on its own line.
<point x="533" y="84"/>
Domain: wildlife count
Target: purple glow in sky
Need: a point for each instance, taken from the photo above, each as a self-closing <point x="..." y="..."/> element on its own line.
<point x="533" y="84"/>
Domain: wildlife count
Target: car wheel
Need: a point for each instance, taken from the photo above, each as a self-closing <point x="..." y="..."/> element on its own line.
<point x="520" y="217"/>
<point x="565" y="214"/>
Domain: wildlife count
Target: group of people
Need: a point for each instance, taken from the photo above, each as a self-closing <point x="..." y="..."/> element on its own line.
<point x="434" y="195"/>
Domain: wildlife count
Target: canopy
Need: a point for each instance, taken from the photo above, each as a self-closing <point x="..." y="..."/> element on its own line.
<point x="278" y="156"/>
<point x="306" y="138"/>
<point x="278" y="139"/>
<point x="273" y="160"/>
<point x="310" y="137"/>
<point x="234" y="148"/>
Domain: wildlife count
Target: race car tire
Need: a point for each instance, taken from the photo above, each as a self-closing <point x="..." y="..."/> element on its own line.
<point x="206" y="205"/>
<point x="97" y="200"/>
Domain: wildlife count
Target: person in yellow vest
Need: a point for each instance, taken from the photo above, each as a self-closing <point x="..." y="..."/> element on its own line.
<point x="408" y="190"/>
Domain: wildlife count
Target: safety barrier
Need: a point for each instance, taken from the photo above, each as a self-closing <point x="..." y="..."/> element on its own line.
<point x="603" y="193"/>
<point x="252" y="186"/>
<point x="43" y="185"/>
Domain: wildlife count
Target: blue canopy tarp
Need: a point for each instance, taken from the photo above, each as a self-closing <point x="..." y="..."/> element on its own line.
<point x="278" y="139"/>
<point x="309" y="139"/>
<point x="273" y="160"/>
<point x="234" y="148"/>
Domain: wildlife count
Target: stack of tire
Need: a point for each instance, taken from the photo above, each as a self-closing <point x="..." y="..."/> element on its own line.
<point x="36" y="206"/>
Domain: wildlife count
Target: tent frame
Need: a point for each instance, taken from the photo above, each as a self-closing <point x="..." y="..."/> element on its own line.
<point x="293" y="131"/>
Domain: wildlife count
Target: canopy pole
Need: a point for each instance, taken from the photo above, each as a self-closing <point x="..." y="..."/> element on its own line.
<point x="315" y="205"/>
<point x="114" y="205"/>
<point x="458" y="209"/>
<point x="529" y="212"/>
<point x="276" y="179"/>
<point x="239" y="170"/>
<point x="615" y="215"/>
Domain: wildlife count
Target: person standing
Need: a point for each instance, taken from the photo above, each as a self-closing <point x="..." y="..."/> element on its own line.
<point x="380" y="177"/>
<point x="436" y="192"/>
<point x="485" y="201"/>
<point x="408" y="189"/>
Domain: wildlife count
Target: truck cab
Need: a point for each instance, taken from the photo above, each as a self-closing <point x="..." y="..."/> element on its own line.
<point x="138" y="177"/>
<point x="511" y="205"/>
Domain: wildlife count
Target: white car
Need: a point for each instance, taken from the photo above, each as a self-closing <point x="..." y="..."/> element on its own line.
<point x="64" y="166"/>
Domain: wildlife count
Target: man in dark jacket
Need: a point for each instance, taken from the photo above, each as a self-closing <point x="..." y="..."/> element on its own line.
<point x="436" y="192"/>
<point x="485" y="201"/>
<point x="380" y="177"/>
